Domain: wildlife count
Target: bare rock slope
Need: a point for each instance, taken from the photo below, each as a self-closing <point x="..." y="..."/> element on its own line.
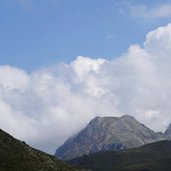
<point x="106" y="134"/>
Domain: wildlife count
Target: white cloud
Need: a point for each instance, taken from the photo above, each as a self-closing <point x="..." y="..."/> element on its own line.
<point x="159" y="39"/>
<point x="156" y="12"/>
<point x="11" y="79"/>
<point x="144" y="11"/>
<point x="47" y="106"/>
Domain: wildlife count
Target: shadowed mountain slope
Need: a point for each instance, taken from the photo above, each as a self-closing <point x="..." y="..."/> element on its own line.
<point x="151" y="157"/>
<point x="18" y="156"/>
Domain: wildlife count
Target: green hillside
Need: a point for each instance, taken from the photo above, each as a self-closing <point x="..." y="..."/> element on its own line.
<point x="151" y="157"/>
<point x="18" y="156"/>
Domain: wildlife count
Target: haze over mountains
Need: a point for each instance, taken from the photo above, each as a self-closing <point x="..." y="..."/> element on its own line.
<point x="109" y="133"/>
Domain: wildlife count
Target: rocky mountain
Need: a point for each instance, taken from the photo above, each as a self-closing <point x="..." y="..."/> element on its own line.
<point x="151" y="157"/>
<point x="16" y="155"/>
<point x="107" y="133"/>
<point x="168" y="132"/>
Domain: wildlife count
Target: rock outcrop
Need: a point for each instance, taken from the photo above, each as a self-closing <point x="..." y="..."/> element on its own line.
<point x="107" y="133"/>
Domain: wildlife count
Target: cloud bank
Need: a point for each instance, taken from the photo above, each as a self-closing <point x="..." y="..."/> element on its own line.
<point x="49" y="105"/>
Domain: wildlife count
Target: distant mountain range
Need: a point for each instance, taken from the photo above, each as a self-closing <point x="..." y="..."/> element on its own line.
<point x="108" y="134"/>
<point x="151" y="157"/>
<point x="16" y="155"/>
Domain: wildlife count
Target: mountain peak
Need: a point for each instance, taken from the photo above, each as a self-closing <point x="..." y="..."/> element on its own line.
<point x="127" y="117"/>
<point x="107" y="133"/>
<point x="98" y="119"/>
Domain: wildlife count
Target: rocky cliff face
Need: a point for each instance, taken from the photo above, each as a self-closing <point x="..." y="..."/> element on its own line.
<point x="107" y="133"/>
<point x="18" y="156"/>
<point x="168" y="132"/>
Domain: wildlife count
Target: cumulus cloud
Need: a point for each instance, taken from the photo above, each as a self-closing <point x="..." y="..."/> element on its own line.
<point x="47" y="106"/>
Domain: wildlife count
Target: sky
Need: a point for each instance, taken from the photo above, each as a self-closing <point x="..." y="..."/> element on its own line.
<point x="64" y="62"/>
<point x="40" y="33"/>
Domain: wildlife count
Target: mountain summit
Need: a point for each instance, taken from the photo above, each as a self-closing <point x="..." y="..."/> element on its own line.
<point x="107" y="133"/>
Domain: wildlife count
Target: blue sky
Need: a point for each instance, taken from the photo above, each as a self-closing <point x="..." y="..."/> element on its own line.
<point x="103" y="72"/>
<point x="38" y="33"/>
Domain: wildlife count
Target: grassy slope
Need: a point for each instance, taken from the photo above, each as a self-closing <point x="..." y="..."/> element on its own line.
<point x="154" y="157"/>
<point x="17" y="156"/>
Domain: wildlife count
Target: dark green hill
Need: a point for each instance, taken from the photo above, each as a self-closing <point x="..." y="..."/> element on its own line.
<point x="18" y="156"/>
<point x="151" y="157"/>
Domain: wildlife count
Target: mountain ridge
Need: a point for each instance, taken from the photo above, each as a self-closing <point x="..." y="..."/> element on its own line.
<point x="108" y="133"/>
